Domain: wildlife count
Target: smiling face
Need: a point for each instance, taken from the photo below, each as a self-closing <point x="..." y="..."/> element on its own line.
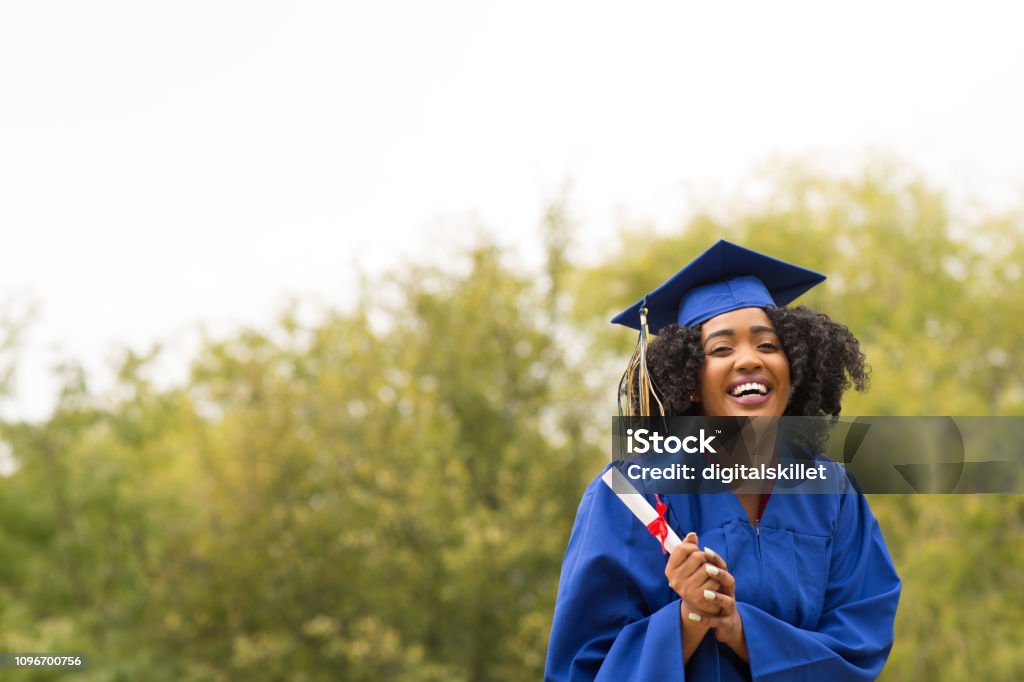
<point x="745" y="372"/>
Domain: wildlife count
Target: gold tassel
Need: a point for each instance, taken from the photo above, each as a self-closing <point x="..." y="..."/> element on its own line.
<point x="636" y="387"/>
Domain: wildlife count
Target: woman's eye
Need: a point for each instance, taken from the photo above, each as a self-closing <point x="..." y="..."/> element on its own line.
<point x="720" y="350"/>
<point x="768" y="345"/>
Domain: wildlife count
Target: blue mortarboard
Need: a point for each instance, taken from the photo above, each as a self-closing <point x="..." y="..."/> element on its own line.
<point x="723" y="278"/>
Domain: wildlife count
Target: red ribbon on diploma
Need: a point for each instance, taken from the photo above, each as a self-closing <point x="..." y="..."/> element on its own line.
<point x="658" y="527"/>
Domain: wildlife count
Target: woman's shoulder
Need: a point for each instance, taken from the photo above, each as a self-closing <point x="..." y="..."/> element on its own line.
<point x="600" y="501"/>
<point x="605" y="509"/>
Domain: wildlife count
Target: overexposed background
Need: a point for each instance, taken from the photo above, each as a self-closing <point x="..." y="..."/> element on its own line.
<point x="162" y="166"/>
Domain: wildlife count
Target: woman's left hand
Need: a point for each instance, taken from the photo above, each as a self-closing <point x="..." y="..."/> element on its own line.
<point x="728" y="625"/>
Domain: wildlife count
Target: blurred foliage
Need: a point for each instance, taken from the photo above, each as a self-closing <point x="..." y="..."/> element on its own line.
<point x="386" y="493"/>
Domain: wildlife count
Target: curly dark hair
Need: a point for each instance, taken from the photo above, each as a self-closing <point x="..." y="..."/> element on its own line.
<point x="824" y="360"/>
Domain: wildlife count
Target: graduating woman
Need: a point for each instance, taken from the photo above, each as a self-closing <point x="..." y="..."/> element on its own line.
<point x="763" y="586"/>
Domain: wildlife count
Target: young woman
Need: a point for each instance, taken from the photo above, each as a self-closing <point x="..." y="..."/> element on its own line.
<point x="764" y="587"/>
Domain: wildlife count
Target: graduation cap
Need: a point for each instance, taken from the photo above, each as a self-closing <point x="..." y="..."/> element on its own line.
<point x="725" y="277"/>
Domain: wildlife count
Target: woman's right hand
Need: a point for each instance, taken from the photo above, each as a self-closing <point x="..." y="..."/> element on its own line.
<point x="695" y="575"/>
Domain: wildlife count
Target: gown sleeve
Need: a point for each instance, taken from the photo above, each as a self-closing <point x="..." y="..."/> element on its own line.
<point x="605" y="628"/>
<point x="855" y="630"/>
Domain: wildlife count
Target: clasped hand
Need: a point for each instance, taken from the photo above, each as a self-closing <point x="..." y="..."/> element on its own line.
<point x="702" y="580"/>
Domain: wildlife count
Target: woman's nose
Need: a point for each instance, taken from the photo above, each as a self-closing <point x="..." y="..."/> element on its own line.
<point x="747" y="358"/>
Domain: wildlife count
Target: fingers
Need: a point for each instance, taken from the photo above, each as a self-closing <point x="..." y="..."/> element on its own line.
<point x="714" y="558"/>
<point x="720" y="574"/>
<point x="699" y="611"/>
<point x="725" y="603"/>
<point x="692" y="588"/>
<point x="707" y="602"/>
<point x="688" y="546"/>
<point x="724" y="577"/>
<point x="711" y="608"/>
<point x="710" y="585"/>
<point x="701" y="579"/>
<point x="724" y="619"/>
<point x="688" y="566"/>
<point x="703" y="582"/>
<point x="682" y="552"/>
<point x="691" y="583"/>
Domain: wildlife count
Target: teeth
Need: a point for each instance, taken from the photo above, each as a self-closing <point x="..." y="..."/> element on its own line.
<point x="760" y="388"/>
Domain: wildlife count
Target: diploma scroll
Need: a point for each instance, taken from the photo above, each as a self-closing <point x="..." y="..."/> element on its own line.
<point x="637" y="504"/>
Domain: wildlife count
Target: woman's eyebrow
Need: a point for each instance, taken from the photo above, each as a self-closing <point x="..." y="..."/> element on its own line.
<point x="720" y="332"/>
<point x="755" y="329"/>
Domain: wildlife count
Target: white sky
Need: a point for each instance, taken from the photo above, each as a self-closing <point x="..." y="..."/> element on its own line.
<point x="163" y="164"/>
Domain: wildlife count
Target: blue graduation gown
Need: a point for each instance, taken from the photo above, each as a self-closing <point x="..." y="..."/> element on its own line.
<point x="816" y="590"/>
